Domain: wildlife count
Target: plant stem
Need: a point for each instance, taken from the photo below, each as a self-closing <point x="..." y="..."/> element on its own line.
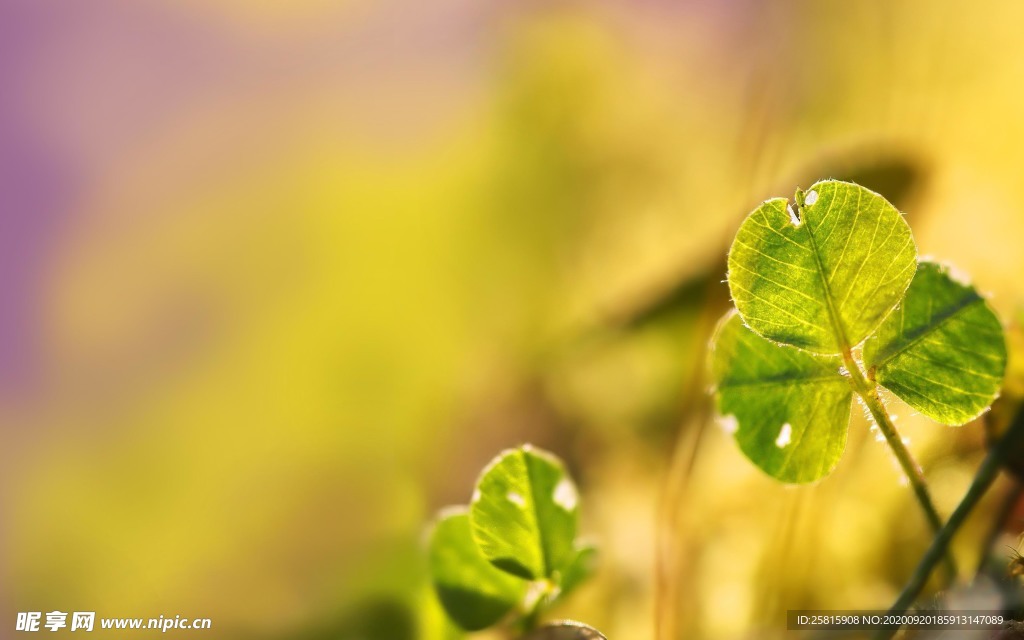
<point x="868" y="392"/>
<point x="986" y="475"/>
<point x="531" y="617"/>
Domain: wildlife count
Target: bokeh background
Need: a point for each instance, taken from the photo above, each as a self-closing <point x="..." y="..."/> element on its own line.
<point x="278" y="278"/>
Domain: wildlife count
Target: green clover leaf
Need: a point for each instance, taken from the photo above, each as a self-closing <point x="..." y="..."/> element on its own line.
<point x="789" y="410"/>
<point x="472" y="591"/>
<point x="824" y="276"/>
<point x="523" y="513"/>
<point x="942" y="351"/>
<point x="810" y="285"/>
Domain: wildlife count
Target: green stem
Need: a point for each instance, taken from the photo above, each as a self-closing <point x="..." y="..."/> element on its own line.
<point x="531" y="617"/>
<point x="868" y="392"/>
<point x="986" y="475"/>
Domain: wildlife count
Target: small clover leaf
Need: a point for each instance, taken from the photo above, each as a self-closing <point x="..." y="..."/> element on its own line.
<point x="789" y="410"/>
<point x="472" y="591"/>
<point x="824" y="276"/>
<point x="513" y="548"/>
<point x="942" y="351"/>
<point x="523" y="514"/>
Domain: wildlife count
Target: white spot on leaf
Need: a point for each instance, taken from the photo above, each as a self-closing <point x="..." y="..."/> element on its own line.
<point x="729" y="424"/>
<point x="476" y="495"/>
<point x="795" y="219"/>
<point x="785" y="436"/>
<point x="810" y="198"/>
<point x="565" y="495"/>
<point x="516" y="499"/>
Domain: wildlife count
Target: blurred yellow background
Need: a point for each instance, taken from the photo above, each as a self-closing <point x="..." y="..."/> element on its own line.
<point x="277" y="279"/>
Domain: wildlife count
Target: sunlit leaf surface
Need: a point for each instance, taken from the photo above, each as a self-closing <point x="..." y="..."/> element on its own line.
<point x="473" y="592"/>
<point x="523" y="513"/>
<point x="823" y="274"/>
<point x="789" y="410"/>
<point x="942" y="350"/>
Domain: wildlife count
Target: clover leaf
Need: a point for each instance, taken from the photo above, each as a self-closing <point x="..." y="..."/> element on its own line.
<point x="811" y="284"/>
<point x="523" y="513"/>
<point x="789" y="409"/>
<point x="514" y="549"/>
<point x="942" y="351"/>
<point x="473" y="592"/>
<point x="823" y="276"/>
